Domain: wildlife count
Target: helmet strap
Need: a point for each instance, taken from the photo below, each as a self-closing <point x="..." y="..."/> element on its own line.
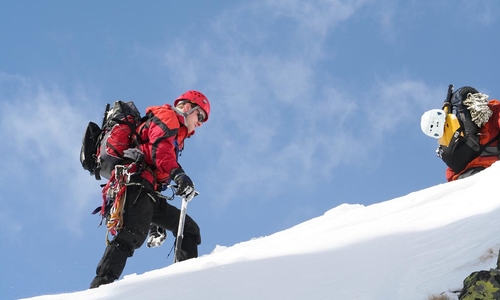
<point x="182" y="114"/>
<point x="185" y="114"/>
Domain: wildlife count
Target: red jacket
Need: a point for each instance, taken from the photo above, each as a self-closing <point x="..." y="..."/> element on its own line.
<point x="164" y="136"/>
<point x="490" y="130"/>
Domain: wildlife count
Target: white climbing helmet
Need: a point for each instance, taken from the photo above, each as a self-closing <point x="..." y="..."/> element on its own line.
<point x="432" y="123"/>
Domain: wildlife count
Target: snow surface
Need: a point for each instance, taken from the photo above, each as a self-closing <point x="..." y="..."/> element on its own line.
<point x="411" y="247"/>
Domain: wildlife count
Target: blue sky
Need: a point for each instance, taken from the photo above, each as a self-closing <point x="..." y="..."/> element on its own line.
<point x="314" y="104"/>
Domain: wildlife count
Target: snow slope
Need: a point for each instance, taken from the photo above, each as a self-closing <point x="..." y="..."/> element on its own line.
<point x="411" y="247"/>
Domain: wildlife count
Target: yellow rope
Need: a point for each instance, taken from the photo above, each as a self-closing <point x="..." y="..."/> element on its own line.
<point x="115" y="221"/>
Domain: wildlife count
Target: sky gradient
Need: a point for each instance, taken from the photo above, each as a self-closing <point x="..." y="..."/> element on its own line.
<point x="314" y="104"/>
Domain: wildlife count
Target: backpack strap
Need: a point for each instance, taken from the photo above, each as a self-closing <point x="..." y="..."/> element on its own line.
<point x="487" y="150"/>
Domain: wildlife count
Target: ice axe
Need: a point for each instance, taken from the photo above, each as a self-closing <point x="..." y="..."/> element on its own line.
<point x="182" y="219"/>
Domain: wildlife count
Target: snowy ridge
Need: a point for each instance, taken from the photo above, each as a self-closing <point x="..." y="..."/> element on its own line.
<point x="410" y="247"/>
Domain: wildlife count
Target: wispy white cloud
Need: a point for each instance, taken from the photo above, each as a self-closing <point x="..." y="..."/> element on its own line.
<point x="396" y="101"/>
<point x="478" y="12"/>
<point x="279" y="118"/>
<point x="315" y="17"/>
<point x="277" y="121"/>
<point x="393" y="15"/>
<point x="44" y="126"/>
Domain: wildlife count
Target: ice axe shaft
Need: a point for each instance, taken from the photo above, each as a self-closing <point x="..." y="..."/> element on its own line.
<point x="180" y="230"/>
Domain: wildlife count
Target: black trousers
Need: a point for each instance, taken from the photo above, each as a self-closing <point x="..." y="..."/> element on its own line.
<point x="167" y="216"/>
<point x="140" y="210"/>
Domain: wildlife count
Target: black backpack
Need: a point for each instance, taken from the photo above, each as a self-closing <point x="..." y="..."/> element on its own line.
<point x="103" y="146"/>
<point x="464" y="145"/>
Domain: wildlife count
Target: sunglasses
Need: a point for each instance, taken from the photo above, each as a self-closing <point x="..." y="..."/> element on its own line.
<point x="201" y="117"/>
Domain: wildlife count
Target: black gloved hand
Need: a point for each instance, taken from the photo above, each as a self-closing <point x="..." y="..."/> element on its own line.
<point x="133" y="154"/>
<point x="184" y="184"/>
